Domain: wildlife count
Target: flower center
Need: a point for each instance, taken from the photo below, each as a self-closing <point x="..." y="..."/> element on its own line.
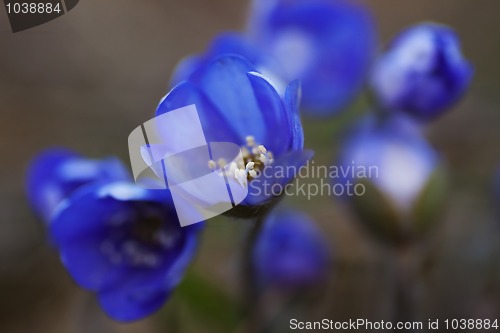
<point x="143" y="241"/>
<point x="255" y="158"/>
<point x="147" y="229"/>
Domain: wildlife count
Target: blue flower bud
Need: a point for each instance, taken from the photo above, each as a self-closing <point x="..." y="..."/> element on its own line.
<point x="422" y="73"/>
<point x="290" y="251"/>
<point x="400" y="174"/>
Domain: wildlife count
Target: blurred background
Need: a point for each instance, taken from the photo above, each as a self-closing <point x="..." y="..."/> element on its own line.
<point x="87" y="79"/>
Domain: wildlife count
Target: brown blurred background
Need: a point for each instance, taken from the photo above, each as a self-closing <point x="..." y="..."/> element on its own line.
<point x="87" y="79"/>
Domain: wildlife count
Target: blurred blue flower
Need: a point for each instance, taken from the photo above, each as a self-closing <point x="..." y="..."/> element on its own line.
<point x="398" y="174"/>
<point x="55" y="173"/>
<point x="422" y="73"/>
<point x="124" y="243"/>
<point x="401" y="160"/>
<point x="327" y="44"/>
<point x="290" y="251"/>
<point x="237" y="104"/>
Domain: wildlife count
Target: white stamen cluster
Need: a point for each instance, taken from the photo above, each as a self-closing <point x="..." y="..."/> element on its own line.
<point x="255" y="159"/>
<point x="242" y="175"/>
<point x="212" y="164"/>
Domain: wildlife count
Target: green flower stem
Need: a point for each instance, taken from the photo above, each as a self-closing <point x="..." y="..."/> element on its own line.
<point x="407" y="269"/>
<point x="251" y="292"/>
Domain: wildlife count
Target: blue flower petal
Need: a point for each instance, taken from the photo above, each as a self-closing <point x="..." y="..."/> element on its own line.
<point x="84" y="213"/>
<point x="43" y="189"/>
<point x="78" y="229"/>
<point x="88" y="266"/>
<point x="231" y="43"/>
<point x="211" y="119"/>
<point x="225" y="83"/>
<point x="122" y="306"/>
<point x="186" y="68"/>
<point x="143" y="291"/>
<point x="56" y="173"/>
<point x="141" y="283"/>
<point x="225" y="44"/>
<point x="280" y="138"/>
<point x="292" y="100"/>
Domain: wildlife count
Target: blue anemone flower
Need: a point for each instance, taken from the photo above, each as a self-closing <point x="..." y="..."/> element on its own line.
<point x="237" y="104"/>
<point x="327" y="44"/>
<point x="398" y="178"/>
<point x="124" y="243"/>
<point x="55" y="173"/>
<point x="290" y="251"/>
<point x="422" y="73"/>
